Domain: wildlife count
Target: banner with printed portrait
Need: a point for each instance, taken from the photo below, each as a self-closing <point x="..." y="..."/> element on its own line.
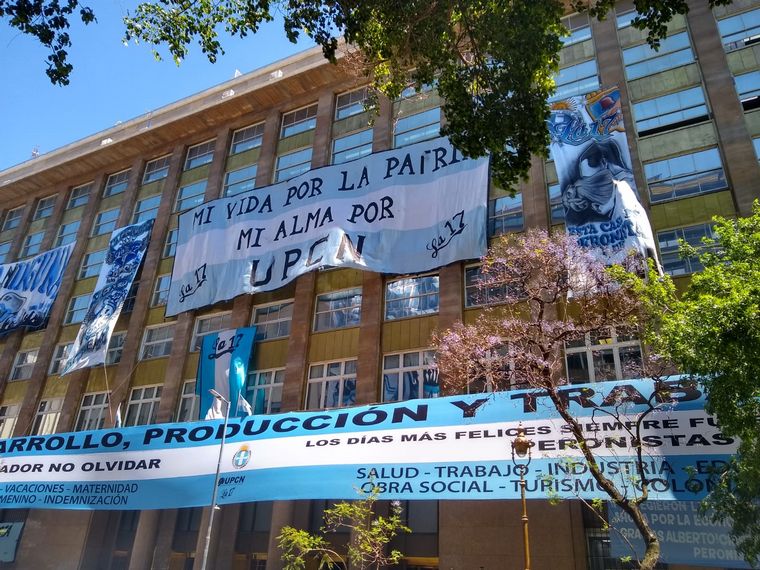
<point x="125" y="253"/>
<point x="593" y="162"/>
<point x="29" y="287"/>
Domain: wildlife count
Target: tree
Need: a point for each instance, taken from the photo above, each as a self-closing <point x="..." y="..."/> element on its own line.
<point x="492" y="61"/>
<point x="367" y="548"/>
<point x="713" y="333"/>
<point x="551" y="291"/>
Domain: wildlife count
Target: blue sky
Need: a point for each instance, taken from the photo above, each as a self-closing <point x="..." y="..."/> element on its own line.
<point x="110" y="83"/>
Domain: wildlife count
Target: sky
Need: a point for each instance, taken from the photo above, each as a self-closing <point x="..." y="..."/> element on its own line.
<point x="110" y="83"/>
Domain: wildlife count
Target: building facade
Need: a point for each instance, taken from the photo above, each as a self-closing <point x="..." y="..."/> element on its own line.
<point x="692" y="114"/>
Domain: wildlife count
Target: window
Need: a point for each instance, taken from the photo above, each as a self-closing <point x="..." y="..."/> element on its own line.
<point x="265" y="391"/>
<point x="747" y="85"/>
<point x="143" y="406"/>
<point x="556" y="207"/>
<point x="79" y="196"/>
<point x="579" y="28"/>
<point x="505" y="215"/>
<point x="476" y="295"/>
<point x="298" y="121"/>
<point x="156" y="169"/>
<point x="157" y="342"/>
<point x="756" y="145"/>
<point x="352" y="146"/>
<point x="92" y="412"/>
<point x="116" y="183"/>
<point x="351" y="103"/>
<point x="105" y="222"/>
<point x="606" y="355"/>
<point x="32" y="244"/>
<point x="5" y="249"/>
<point x="161" y="291"/>
<point x="674" y="110"/>
<point x="577" y="79"/>
<point x="293" y="164"/>
<point x="410" y="375"/>
<point x="188" y="403"/>
<point x="247" y="138"/>
<point x="411" y="297"/>
<point x="44" y="208"/>
<point x="669" y="244"/>
<point x="417" y="127"/>
<point x="207" y="325"/>
<point x="339" y="309"/>
<point x="12" y="218"/>
<point x="240" y="180"/>
<point x="170" y="247"/>
<point x="146" y="209"/>
<point x="60" y="354"/>
<point x="273" y="321"/>
<point x="67" y="233"/>
<point x="411" y="91"/>
<point x="77" y="309"/>
<point x="624" y="20"/>
<point x="740" y="30"/>
<point x="200" y="154"/>
<point x="685" y="175"/>
<point x="331" y="385"/>
<point x="23" y="364"/>
<point x="642" y="60"/>
<point x="115" y="346"/>
<point x="190" y="196"/>
<point x="129" y="302"/>
<point x="91" y="263"/>
<point x="48" y="414"/>
<point x="8" y="414"/>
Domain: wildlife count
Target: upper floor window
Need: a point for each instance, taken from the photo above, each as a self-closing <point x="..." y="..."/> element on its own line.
<point x="47" y="416"/>
<point x="207" y="325"/>
<point x="756" y="145"/>
<point x="338" y="309"/>
<point x="578" y="27"/>
<point x="672" y="110"/>
<point x="351" y="103"/>
<point x="143" y="406"/>
<point x="115" y="347"/>
<point x="273" y="321"/>
<point x="13" y="218"/>
<point x="410" y="375"/>
<point x="105" y="222"/>
<point x="411" y="297"/>
<point x="188" y="403"/>
<point x="170" y="247"/>
<point x="92" y="412"/>
<point x="351" y="147"/>
<point x="416" y="128"/>
<point x="79" y="196"/>
<point x="190" y="196"/>
<point x="129" y="302"/>
<point x="685" y="175"/>
<point x="44" y="208"/>
<point x="60" y="354"/>
<point x="265" y="390"/>
<point x="146" y="209"/>
<point x="577" y="79"/>
<point x="24" y="364"/>
<point x="156" y="169"/>
<point x="32" y="244"/>
<point x="161" y="290"/>
<point x="476" y="294"/>
<point x="67" y="233"/>
<point x="299" y="121"/>
<point x="200" y="154"/>
<point x="624" y="20"/>
<point x="605" y="355"/>
<point x="412" y="91"/>
<point x="91" y="263"/>
<point x="240" y="180"/>
<point x="642" y="60"/>
<point x="77" y="309"/>
<point x="116" y="183"/>
<point x="331" y="385"/>
<point x="669" y="242"/>
<point x="505" y="214"/>
<point x="556" y="207"/>
<point x="247" y="138"/>
<point x="747" y="85"/>
<point x="293" y="164"/>
<point x="5" y="249"/>
<point x="740" y="30"/>
<point x="8" y="413"/>
<point x="157" y="341"/>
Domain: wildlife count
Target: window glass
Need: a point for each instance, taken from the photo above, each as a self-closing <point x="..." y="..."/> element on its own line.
<point x="170" y="247"/>
<point x="156" y="169"/>
<point x="157" y="342"/>
<point x="247" y="138"/>
<point x="505" y="214"/>
<point x="240" y="180"/>
<point x="24" y="364"/>
<point x="670" y="109"/>
<point x="351" y="103"/>
<point x="338" y="309"/>
<point x="478" y="295"/>
<point x="299" y="121"/>
<point x="411" y="297"/>
<point x="5" y="248"/>
<point x="161" y="291"/>
<point x="91" y="263"/>
<point x="44" y="208"/>
<point x="642" y="60"/>
<point x="603" y="356"/>
<point x="575" y="80"/>
<point x="77" y="309"/>
<point x="669" y="244"/>
<point x="265" y="390"/>
<point x="93" y="411"/>
<point x="685" y="175"/>
<point x="146" y="209"/>
<point x="416" y="128"/>
<point x="60" y="354"/>
<point x="331" y="385"/>
<point x="129" y="302"/>
<point x="351" y="147"/>
<point x="740" y="30"/>
<point x="48" y="414"/>
<point x="116" y="183"/>
<point x="200" y="154"/>
<point x="577" y="35"/>
<point x="748" y="85"/>
<point x="207" y="325"/>
<point x="105" y="222"/>
<point x="190" y="196"/>
<point x="273" y="321"/>
<point x="115" y="346"/>
<point x="293" y="164"/>
<point x="8" y="413"/>
<point x="12" y="218"/>
<point x="143" y="406"/>
<point x="32" y="244"/>
<point x="188" y="403"/>
<point x="67" y="233"/>
<point x="410" y="375"/>
<point x="624" y="20"/>
<point x="557" y="208"/>
<point x="79" y="196"/>
<point x="756" y="145"/>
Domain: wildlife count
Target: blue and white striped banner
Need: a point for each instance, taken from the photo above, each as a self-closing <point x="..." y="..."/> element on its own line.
<point x="456" y="447"/>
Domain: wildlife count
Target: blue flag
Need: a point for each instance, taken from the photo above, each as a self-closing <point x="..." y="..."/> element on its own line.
<point x="223" y="366"/>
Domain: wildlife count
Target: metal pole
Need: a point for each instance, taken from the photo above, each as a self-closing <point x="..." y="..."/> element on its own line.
<point x="216" y="479"/>
<point x="526" y="540"/>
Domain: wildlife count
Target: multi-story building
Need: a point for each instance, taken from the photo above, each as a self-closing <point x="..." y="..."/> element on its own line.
<point x="693" y="127"/>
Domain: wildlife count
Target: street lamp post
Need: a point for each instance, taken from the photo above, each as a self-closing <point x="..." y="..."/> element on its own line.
<point x="521" y="448"/>
<point x="214" y="506"/>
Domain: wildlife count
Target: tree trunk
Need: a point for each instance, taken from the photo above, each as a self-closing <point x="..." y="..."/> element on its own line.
<point x="652" y="553"/>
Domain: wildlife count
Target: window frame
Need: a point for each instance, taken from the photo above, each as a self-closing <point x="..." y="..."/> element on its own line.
<point x="354" y="152"/>
<point x="70" y="237"/>
<point x="98" y="224"/>
<point x="92" y="415"/>
<point x="270" y="386"/>
<point x="22" y="365"/>
<point x="75" y="199"/>
<point x="422" y="369"/>
<point x="294" y="127"/>
<point x="282" y="173"/>
<point x="196" y="340"/>
<point x="72" y="312"/>
<point x="280" y="306"/>
<point x="589" y="348"/>
<point x="235" y="143"/>
<point x="146" y="344"/>
<point x="146" y="208"/>
<point x="185" y="413"/>
<point x="242" y="182"/>
<point x="425" y="313"/>
<point x="60" y="353"/>
<point x="44" y="208"/>
<point x="170" y="247"/>
<point x="699" y="159"/>
<point x="407" y="134"/>
<point x="42" y="425"/>
<point x="32" y="244"/>
<point x="117" y="337"/>
<point x="5" y="249"/>
<point x="690" y="264"/>
<point x="8" y="416"/>
<point x="152" y="402"/>
<point x="350" y="312"/>
<point x="85" y="266"/>
<point x="160" y="297"/>
<point x="322" y="381"/>
<point x="156" y="169"/>
<point x="200" y="158"/>
<point x="183" y="203"/>
<point x="351" y="104"/>
<point x="116" y="183"/>
<point x="13" y="218"/>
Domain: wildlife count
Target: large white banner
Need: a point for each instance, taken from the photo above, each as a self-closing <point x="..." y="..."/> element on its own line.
<point x="402" y="211"/>
<point x="125" y="252"/>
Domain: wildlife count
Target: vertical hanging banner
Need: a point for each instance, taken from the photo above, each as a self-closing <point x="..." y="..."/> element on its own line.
<point x="425" y="200"/>
<point x="125" y="253"/>
<point x="223" y="366"/>
<point x="593" y="162"/>
<point x="29" y="287"/>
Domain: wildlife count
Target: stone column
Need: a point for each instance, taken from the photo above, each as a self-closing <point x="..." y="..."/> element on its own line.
<point x="370" y="339"/>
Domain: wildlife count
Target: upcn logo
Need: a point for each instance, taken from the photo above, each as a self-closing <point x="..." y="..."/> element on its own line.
<point x="241" y="458"/>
